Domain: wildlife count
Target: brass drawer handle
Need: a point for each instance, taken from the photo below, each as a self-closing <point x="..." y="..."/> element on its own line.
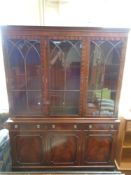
<point x="90" y="126"/>
<point x="112" y="126"/>
<point x="53" y="126"/>
<point x="38" y="126"/>
<point x="15" y="126"/>
<point x="75" y="126"/>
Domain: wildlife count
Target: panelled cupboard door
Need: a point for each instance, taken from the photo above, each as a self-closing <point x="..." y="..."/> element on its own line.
<point x="104" y="72"/>
<point x="28" y="148"/>
<point x="24" y="69"/>
<point x="64" y="148"/>
<point x="65" y="62"/>
<point x="99" y="148"/>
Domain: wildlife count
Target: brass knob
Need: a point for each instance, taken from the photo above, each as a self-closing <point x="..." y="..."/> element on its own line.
<point x="75" y="126"/>
<point x="53" y="126"/>
<point x="15" y="126"/>
<point x="112" y="126"/>
<point x="90" y="126"/>
<point x="38" y="126"/>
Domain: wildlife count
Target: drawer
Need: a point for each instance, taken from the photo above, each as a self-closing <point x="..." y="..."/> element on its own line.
<point x="128" y="126"/>
<point x="100" y="126"/>
<point x="29" y="126"/>
<point x="66" y="126"/>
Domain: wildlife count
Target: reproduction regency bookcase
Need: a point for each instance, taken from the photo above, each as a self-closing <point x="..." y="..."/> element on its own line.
<point x="63" y="87"/>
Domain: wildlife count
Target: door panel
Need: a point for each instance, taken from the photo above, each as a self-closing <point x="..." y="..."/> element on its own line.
<point x="28" y="149"/>
<point x="98" y="148"/>
<point x="63" y="148"/>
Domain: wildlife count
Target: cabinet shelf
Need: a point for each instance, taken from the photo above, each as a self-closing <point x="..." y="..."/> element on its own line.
<point x="123" y="159"/>
<point x="126" y="146"/>
<point x="124" y="165"/>
<point x="126" y="160"/>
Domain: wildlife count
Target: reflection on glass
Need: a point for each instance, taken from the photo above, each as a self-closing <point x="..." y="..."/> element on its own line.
<point x="103" y="76"/>
<point x="24" y="61"/>
<point x="64" y="75"/>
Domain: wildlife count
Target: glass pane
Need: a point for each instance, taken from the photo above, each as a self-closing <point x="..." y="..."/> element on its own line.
<point x="26" y="102"/>
<point x="64" y="102"/>
<point x="25" y="70"/>
<point x="103" y="77"/>
<point x="19" y="102"/>
<point x="34" y="101"/>
<point x="17" y="67"/>
<point x="72" y="102"/>
<point x="64" y="72"/>
<point x="100" y="102"/>
<point x="56" y="102"/>
<point x="33" y="77"/>
<point x="33" y="66"/>
<point x="73" y="77"/>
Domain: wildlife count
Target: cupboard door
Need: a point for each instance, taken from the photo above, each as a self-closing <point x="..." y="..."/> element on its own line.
<point x="64" y="69"/>
<point x="104" y="70"/>
<point x="63" y="148"/>
<point x="27" y="149"/>
<point x="23" y="61"/>
<point x="98" y="148"/>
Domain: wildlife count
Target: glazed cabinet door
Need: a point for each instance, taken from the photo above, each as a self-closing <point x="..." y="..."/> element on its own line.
<point x="64" y="148"/>
<point x="64" y="75"/>
<point x="104" y="76"/>
<point x="28" y="149"/>
<point x="23" y="61"/>
<point x="99" y="147"/>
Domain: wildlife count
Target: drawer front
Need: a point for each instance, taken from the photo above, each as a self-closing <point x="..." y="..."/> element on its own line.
<point x="66" y="126"/>
<point x="100" y="126"/>
<point x="26" y="126"/>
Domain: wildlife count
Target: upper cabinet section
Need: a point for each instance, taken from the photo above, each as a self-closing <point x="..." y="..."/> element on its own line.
<point x="64" y="71"/>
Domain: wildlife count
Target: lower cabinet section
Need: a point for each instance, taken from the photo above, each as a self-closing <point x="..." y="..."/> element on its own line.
<point x="62" y="146"/>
